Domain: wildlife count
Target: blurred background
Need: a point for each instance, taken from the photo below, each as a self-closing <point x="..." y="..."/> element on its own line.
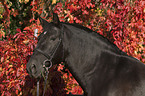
<point x="121" y="21"/>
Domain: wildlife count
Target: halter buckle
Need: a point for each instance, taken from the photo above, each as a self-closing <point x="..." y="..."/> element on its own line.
<point x="47" y="64"/>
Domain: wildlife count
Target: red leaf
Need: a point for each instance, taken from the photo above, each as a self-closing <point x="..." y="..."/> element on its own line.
<point x="17" y="92"/>
<point x="18" y="30"/>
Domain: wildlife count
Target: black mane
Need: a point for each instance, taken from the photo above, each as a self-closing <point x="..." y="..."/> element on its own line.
<point x="96" y="35"/>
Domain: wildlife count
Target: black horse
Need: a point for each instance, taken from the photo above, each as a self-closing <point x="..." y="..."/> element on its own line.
<point x="98" y="65"/>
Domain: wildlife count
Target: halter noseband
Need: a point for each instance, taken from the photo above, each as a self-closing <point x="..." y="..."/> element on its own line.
<point x="49" y="59"/>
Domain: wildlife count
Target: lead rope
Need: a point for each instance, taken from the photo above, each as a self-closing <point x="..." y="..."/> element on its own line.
<point x="38" y="88"/>
<point x="47" y="72"/>
<point x="45" y="83"/>
<point x="46" y="77"/>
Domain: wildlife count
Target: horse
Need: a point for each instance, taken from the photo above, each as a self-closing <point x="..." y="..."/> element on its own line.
<point x="98" y="65"/>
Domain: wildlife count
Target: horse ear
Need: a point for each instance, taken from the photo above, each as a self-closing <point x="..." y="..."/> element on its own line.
<point x="55" y="19"/>
<point x="43" y="22"/>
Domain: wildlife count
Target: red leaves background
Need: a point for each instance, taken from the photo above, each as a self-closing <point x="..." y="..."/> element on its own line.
<point x="14" y="52"/>
<point x="121" y="21"/>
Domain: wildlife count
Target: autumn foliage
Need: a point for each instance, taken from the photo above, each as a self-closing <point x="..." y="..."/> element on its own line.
<point x="14" y="58"/>
<point x="121" y="21"/>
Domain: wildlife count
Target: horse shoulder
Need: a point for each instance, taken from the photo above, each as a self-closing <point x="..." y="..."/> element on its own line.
<point x="117" y="75"/>
<point x="129" y="77"/>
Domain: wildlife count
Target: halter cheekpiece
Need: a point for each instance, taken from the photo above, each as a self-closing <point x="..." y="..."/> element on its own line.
<point x="49" y="64"/>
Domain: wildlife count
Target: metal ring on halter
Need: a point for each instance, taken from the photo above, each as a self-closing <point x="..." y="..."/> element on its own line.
<point x="47" y="61"/>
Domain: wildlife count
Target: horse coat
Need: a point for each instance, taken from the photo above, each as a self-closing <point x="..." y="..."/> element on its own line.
<point x="98" y="65"/>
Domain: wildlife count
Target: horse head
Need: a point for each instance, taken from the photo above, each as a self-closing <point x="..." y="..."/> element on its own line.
<point x="49" y="43"/>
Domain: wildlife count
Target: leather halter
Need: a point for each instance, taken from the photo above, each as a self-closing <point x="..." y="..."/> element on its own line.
<point x="49" y="59"/>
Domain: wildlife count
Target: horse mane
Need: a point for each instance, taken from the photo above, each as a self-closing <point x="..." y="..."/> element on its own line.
<point x="101" y="37"/>
<point x="95" y="34"/>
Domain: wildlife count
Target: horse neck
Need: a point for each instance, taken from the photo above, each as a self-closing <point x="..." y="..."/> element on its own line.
<point x="79" y="53"/>
<point x="77" y="44"/>
<point x="80" y="45"/>
<point x="82" y="52"/>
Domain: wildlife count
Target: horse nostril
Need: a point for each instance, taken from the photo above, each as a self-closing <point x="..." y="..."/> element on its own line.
<point x="33" y="68"/>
